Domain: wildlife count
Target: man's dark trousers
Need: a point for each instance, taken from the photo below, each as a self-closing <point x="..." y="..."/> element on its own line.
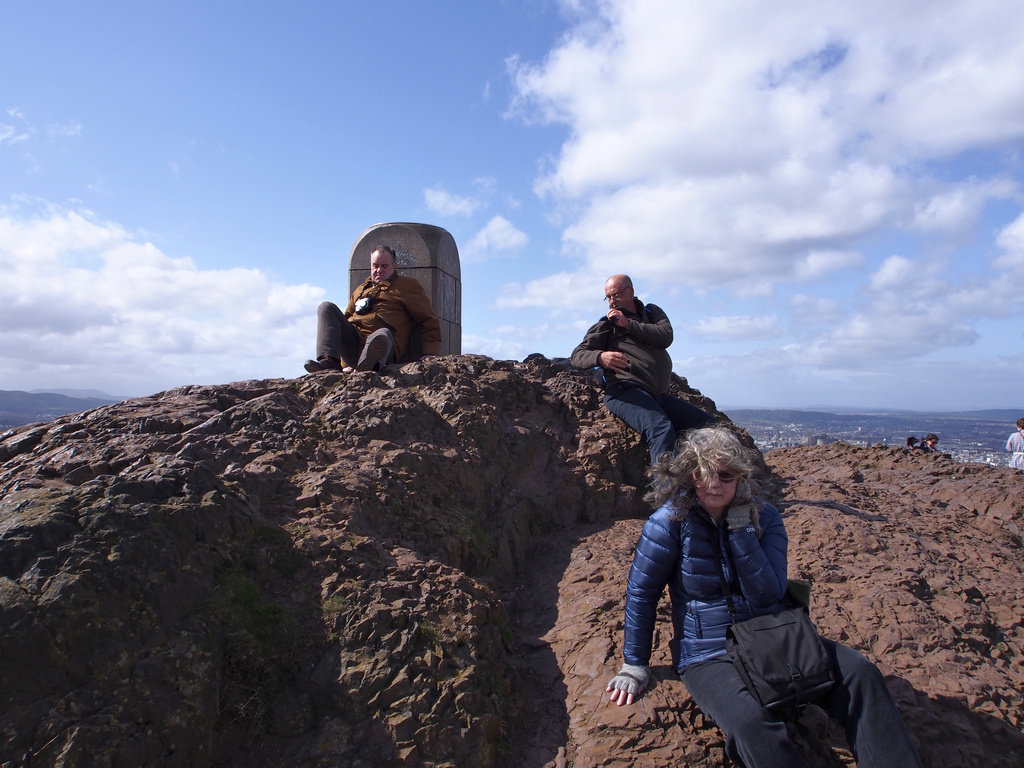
<point x="657" y="419"/>
<point x="335" y="336"/>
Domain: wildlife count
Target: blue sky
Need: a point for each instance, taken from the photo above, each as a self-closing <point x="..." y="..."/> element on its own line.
<point x="826" y="198"/>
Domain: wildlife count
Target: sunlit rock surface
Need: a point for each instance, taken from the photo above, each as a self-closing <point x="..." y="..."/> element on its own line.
<point x="427" y="567"/>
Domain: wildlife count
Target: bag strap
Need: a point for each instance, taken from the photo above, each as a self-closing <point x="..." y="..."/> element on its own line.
<point x="719" y="555"/>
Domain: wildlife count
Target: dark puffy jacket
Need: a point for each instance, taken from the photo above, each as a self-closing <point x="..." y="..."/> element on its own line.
<point x="645" y="342"/>
<point x="681" y="554"/>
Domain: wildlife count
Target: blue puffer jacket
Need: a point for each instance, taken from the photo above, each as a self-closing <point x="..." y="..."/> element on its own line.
<point x="681" y="554"/>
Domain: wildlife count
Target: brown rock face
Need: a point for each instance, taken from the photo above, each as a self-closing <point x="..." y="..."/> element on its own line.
<point x="427" y="568"/>
<point x="291" y="571"/>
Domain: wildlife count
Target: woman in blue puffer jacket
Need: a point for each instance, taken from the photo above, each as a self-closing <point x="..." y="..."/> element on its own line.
<point x="706" y="510"/>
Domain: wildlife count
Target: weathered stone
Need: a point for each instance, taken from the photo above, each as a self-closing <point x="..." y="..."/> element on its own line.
<point x="426" y="568"/>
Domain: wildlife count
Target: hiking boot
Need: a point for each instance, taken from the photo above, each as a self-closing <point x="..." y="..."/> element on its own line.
<point x="376" y="351"/>
<point x="322" y="364"/>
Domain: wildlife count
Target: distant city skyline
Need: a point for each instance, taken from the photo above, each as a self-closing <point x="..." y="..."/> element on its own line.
<point x="979" y="440"/>
<point x="826" y="198"/>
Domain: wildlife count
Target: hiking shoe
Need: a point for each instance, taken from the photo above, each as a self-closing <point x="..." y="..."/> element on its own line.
<point x="323" y="364"/>
<point x="376" y="351"/>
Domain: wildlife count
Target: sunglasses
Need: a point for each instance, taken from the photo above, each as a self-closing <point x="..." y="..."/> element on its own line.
<point x="726" y="478"/>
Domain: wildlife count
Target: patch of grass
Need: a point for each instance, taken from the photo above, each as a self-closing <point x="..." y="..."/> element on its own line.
<point x="245" y="610"/>
<point x="271" y="535"/>
<point x="288" y="563"/>
<point x="502" y="749"/>
<point x="501" y="687"/>
<point x="261" y="638"/>
<point x="281" y="552"/>
<point x="482" y="548"/>
<point x="335" y="604"/>
<point x="542" y="526"/>
<point x="506" y="633"/>
<point x="430" y="633"/>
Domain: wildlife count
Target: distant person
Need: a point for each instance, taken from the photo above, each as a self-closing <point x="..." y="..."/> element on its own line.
<point x="928" y="444"/>
<point x="373" y="331"/>
<point x="1016" y="446"/>
<point x="630" y="344"/>
<point x="912" y="441"/>
<point x="708" y="518"/>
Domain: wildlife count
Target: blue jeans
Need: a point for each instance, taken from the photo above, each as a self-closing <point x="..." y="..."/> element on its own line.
<point x="859" y="701"/>
<point x="657" y="419"/>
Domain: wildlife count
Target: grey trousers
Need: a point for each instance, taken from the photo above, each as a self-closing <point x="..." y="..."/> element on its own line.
<point x="756" y="739"/>
<point x="336" y="337"/>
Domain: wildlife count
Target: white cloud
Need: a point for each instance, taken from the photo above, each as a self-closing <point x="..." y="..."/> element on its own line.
<point x="9" y="135"/>
<point x="784" y="381"/>
<point x="70" y="128"/>
<point x="897" y="273"/>
<point x="814" y="310"/>
<point x="736" y="327"/>
<point x="909" y="308"/>
<point x="827" y="183"/>
<point x="506" y="342"/>
<point x="497" y="347"/>
<point x="445" y="203"/>
<point x="724" y="143"/>
<point x="955" y="208"/>
<point x="498" y="237"/>
<point x="1011" y="240"/>
<point x="84" y="302"/>
<point x="816" y="264"/>
<point x="554" y="293"/>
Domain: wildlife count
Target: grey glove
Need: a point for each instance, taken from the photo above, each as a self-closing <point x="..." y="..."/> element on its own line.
<point x="739" y="516"/>
<point x="631" y="679"/>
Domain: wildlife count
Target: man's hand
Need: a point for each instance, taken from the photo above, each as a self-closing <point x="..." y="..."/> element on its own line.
<point x="614" y="361"/>
<point x="618" y="317"/>
<point x="628" y="684"/>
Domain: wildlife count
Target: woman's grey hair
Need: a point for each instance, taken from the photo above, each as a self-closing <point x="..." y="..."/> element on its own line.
<point x="699" y="455"/>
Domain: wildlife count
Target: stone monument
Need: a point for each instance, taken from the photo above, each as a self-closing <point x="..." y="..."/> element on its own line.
<point x="427" y="253"/>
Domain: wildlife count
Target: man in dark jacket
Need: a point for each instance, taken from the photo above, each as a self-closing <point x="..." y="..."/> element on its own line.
<point x="631" y="344"/>
<point x="374" y="329"/>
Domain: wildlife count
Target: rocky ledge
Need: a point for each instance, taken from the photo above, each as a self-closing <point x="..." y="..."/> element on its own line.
<point x="426" y="567"/>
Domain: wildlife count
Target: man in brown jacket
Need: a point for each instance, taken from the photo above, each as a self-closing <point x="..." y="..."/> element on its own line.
<point x="373" y="331"/>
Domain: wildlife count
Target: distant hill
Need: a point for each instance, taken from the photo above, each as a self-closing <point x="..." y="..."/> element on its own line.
<point x="84" y="393"/>
<point x="777" y="416"/>
<point x="787" y="415"/>
<point x="996" y="414"/>
<point x="17" y="407"/>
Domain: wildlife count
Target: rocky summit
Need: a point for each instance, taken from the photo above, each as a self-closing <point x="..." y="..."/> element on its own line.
<point x="426" y="567"/>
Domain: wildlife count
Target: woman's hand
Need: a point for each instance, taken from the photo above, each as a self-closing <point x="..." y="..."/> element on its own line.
<point x="739" y="516"/>
<point x="628" y="684"/>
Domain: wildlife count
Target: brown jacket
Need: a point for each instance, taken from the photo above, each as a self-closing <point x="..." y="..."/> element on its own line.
<point x="398" y="304"/>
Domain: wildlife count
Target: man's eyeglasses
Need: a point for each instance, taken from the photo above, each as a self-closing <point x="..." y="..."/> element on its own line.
<point x="613" y="295"/>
